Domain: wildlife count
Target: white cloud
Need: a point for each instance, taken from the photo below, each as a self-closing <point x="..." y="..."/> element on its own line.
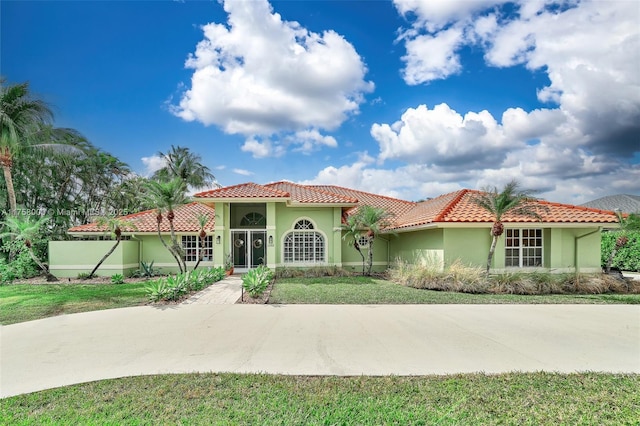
<point x="263" y="149"/>
<point x="590" y="51"/>
<point x="436" y="14"/>
<point x="304" y="141"/>
<point x="243" y="172"/>
<point x="152" y="164"/>
<point x="432" y="57"/>
<point x="441" y="136"/>
<point x="260" y="75"/>
<point x="579" y="148"/>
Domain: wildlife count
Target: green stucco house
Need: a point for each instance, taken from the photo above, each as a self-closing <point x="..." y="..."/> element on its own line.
<point x="284" y="224"/>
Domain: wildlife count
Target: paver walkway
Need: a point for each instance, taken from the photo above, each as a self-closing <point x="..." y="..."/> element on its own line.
<point x="225" y="292"/>
<point x="318" y="340"/>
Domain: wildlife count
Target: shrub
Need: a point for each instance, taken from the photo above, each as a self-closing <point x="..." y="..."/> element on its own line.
<point x="311" y="272"/>
<point x="117" y="279"/>
<point x="82" y="275"/>
<point x="146" y="270"/>
<point x="175" y="287"/>
<point x="256" y="281"/>
<point x="628" y="257"/>
<point x="466" y="279"/>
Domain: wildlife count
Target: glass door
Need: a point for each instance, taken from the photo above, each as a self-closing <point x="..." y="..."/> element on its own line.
<point x="248" y="248"/>
<point x="239" y="249"/>
<point x="258" y="254"/>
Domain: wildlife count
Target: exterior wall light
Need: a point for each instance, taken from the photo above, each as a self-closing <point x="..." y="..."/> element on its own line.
<point x="218" y="239"/>
<point x="270" y="240"/>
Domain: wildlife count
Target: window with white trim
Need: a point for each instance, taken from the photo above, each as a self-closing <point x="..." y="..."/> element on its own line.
<point x="363" y="242"/>
<point x="191" y="245"/>
<point x="523" y="248"/>
<point x="304" y="244"/>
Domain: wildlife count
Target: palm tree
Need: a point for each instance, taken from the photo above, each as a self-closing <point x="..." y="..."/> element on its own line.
<point x="113" y="225"/>
<point x="182" y="163"/>
<point x="25" y="123"/>
<point x="372" y="220"/>
<point x="628" y="224"/>
<point x="510" y="200"/>
<point x="166" y="196"/>
<point x="23" y="229"/>
<point x="352" y="233"/>
<point x="20" y="118"/>
<point x="202" y="220"/>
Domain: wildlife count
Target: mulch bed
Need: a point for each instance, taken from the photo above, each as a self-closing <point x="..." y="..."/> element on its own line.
<point x="95" y="280"/>
<point x="260" y="300"/>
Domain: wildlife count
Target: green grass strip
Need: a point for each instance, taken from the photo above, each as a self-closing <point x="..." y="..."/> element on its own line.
<point x="367" y="290"/>
<point x="512" y="399"/>
<point x="26" y="302"/>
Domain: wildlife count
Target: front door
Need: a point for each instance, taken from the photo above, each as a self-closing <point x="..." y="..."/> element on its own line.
<point x="248" y="248"/>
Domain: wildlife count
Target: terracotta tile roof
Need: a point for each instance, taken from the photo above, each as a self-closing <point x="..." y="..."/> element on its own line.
<point x="185" y="221"/>
<point x="310" y="194"/>
<point x="244" y="190"/>
<point x="427" y="211"/>
<point x="459" y="207"/>
<point x="394" y="206"/>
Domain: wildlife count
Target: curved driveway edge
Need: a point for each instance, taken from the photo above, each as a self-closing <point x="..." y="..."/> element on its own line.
<point x="318" y="340"/>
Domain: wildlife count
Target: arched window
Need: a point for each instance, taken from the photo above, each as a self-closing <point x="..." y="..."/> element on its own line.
<point x="253" y="220"/>
<point x="303" y="244"/>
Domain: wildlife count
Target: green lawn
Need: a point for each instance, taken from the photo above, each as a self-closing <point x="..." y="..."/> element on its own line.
<point x="367" y="290"/>
<point x="514" y="398"/>
<point x="26" y="302"/>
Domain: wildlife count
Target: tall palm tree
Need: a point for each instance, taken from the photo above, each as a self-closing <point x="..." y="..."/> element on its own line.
<point x="166" y="196"/>
<point x="114" y="226"/>
<point x="628" y="224"/>
<point x="21" y="116"/>
<point x="25" y="122"/>
<point x="372" y="220"/>
<point x="182" y="163"/>
<point x="499" y="203"/>
<point x="353" y="233"/>
<point x="23" y="229"/>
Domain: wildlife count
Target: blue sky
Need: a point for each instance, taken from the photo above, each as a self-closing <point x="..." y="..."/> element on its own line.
<point x="405" y="98"/>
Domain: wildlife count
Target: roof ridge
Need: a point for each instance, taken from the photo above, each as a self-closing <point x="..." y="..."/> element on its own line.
<point x="451" y="204"/>
<point x="252" y="184"/>
<point x="368" y="193"/>
<point x="312" y="188"/>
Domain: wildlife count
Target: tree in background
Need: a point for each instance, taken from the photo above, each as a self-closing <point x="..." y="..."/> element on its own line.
<point x="628" y="225"/>
<point x="181" y="163"/>
<point x="24" y="124"/>
<point x="511" y="200"/>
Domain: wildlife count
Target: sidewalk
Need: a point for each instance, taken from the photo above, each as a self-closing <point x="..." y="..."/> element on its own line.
<point x="225" y="292"/>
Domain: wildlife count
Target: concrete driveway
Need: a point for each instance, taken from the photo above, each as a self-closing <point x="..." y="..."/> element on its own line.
<point x="318" y="340"/>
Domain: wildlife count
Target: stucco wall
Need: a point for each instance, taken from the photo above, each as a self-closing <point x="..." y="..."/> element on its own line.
<point x="352" y="261"/>
<point x="70" y="258"/>
<point x="424" y="247"/>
